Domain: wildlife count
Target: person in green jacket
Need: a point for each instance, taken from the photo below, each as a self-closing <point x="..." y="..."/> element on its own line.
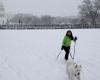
<point x="67" y="43"/>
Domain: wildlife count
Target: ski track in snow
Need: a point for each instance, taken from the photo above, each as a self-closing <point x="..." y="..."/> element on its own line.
<point x="31" y="54"/>
<point x="5" y="65"/>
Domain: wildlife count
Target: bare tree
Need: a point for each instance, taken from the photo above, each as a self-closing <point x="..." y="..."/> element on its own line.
<point x="89" y="12"/>
<point x="46" y="19"/>
<point x="97" y="6"/>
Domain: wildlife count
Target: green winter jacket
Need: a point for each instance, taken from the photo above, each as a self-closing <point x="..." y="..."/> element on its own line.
<point x="66" y="41"/>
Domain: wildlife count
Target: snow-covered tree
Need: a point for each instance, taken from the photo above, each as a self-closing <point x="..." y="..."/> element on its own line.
<point x="89" y="11"/>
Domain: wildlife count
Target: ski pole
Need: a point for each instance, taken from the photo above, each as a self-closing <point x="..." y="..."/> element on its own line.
<point x="59" y="54"/>
<point x="71" y="55"/>
<point x="74" y="50"/>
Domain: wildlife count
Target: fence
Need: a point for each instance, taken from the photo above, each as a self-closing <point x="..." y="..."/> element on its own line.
<point x="49" y="26"/>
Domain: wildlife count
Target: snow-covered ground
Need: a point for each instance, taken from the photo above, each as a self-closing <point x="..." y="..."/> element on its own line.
<point x="31" y="54"/>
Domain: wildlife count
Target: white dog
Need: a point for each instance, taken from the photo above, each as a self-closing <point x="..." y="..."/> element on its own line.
<point x="73" y="70"/>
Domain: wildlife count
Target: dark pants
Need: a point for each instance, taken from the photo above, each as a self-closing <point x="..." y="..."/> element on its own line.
<point x="66" y="49"/>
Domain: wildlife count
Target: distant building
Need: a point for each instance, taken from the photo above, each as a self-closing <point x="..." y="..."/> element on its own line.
<point x="5" y="18"/>
<point x="2" y="13"/>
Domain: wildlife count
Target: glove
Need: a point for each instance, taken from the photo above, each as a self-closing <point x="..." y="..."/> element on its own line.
<point x="62" y="48"/>
<point x="75" y="38"/>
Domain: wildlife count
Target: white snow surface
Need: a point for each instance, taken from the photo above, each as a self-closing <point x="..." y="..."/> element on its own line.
<point x="31" y="54"/>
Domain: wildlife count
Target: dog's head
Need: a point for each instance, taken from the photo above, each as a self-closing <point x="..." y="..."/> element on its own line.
<point x="74" y="69"/>
<point x="77" y="69"/>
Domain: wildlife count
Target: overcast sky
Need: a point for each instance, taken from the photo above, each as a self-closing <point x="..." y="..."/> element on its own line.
<point x="42" y="7"/>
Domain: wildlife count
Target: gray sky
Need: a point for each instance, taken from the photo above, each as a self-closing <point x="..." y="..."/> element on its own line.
<point x="42" y="7"/>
